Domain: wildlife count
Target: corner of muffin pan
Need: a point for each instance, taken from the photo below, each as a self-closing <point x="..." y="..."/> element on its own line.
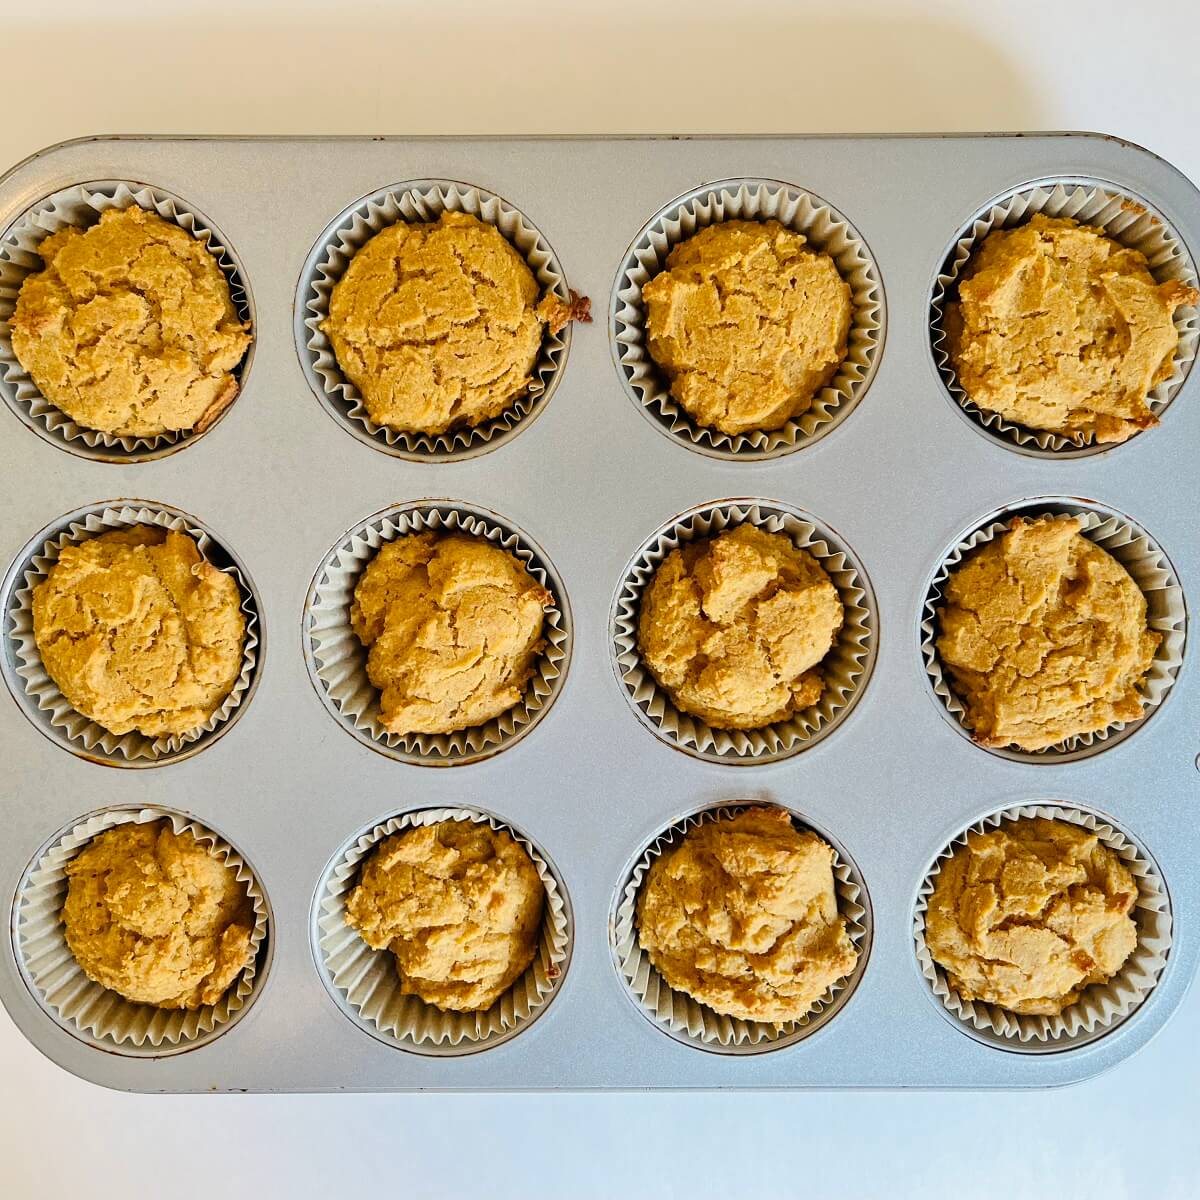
<point x="856" y="647"/>
<point x="999" y="1029"/>
<point x="1127" y="218"/>
<point x="105" y="1021"/>
<point x="357" y="984"/>
<point x="326" y="262"/>
<point x="80" y="204"/>
<point x="685" y="1020"/>
<point x="38" y="697"/>
<point x="336" y="659"/>
<point x="752" y="198"/>
<point x="1131" y="545"/>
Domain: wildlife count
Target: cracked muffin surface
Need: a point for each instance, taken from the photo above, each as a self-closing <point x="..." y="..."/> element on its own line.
<point x="734" y="627"/>
<point x="129" y="328"/>
<point x="1059" y="327"/>
<point x="157" y="917"/>
<point x="748" y="323"/>
<point x="1028" y="915"/>
<point x="140" y="631"/>
<point x="458" y="904"/>
<point x="453" y="627"/>
<point x="742" y="915"/>
<point x="438" y="324"/>
<point x="1045" y="636"/>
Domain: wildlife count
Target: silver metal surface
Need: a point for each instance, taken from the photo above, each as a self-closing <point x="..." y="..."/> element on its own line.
<point x="590" y="480"/>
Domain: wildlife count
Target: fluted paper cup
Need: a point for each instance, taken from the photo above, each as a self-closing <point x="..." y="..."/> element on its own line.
<point x="1150" y="569"/>
<point x="365" y="983"/>
<point x="1102" y="1006"/>
<point x="93" y="1013"/>
<point x="1123" y="217"/>
<point x="695" y="1024"/>
<point x="826" y="230"/>
<point x="80" y="207"/>
<point x="846" y="668"/>
<point x="422" y="200"/>
<point x="337" y="660"/>
<point x="40" y="697"/>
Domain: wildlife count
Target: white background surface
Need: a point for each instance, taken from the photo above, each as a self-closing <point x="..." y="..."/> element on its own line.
<point x="456" y="66"/>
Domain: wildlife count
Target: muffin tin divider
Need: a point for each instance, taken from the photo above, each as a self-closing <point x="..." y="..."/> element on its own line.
<point x="590" y="480"/>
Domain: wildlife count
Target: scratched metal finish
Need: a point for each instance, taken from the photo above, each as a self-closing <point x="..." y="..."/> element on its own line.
<point x="279" y="482"/>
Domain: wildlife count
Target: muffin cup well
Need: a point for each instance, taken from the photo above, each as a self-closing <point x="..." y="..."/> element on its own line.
<point x="1102" y="1006"/>
<point x="337" y="660"/>
<point x="85" y="1009"/>
<point x="39" y="696"/>
<point x="365" y="983"/>
<point x="80" y="206"/>
<point x="1149" y="568"/>
<point x="422" y="200"/>
<point x="687" y="1020"/>
<point x="1123" y="217"/>
<point x="752" y="200"/>
<point x="846" y="668"/>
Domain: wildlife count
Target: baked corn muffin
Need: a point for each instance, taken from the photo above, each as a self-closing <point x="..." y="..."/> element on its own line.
<point x="458" y="904"/>
<point x="1045" y="637"/>
<point x="742" y="915"/>
<point x="156" y="917"/>
<point x="734" y="628"/>
<point x="748" y="324"/>
<point x="453" y="630"/>
<point x="1059" y="327"/>
<point x="129" y="328"/>
<point x="1028" y="915"/>
<point x="438" y="325"/>
<point x="140" y="631"/>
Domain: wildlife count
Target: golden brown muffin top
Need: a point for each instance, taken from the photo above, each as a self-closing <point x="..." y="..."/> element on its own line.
<point x="1027" y="915"/>
<point x="460" y="906"/>
<point x="438" y="324"/>
<point x="155" y="916"/>
<point x="748" y="324"/>
<point x="734" y="627"/>
<point x="1059" y="327"/>
<point x="1045" y="637"/>
<point x="129" y="328"/>
<point x="139" y="631"/>
<point x="454" y="627"/>
<point x="742" y="915"/>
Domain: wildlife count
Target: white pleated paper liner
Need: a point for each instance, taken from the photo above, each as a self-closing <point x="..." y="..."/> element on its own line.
<point x="337" y="660"/>
<point x="695" y="1024"/>
<point x="365" y="983"/>
<point x="1102" y="1006"/>
<point x="1125" y="218"/>
<point x="39" y="696"/>
<point x="1150" y="569"/>
<point x="752" y="200"/>
<point x="846" y="668"/>
<point x="93" y="1013"/>
<point x="422" y="200"/>
<point x="80" y="206"/>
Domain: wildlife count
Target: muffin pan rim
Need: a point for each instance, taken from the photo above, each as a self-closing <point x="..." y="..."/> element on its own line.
<point x="242" y="297"/>
<point x="1007" y="433"/>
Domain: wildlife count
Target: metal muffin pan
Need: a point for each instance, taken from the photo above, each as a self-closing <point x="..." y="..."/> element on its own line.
<point x="899" y="480"/>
